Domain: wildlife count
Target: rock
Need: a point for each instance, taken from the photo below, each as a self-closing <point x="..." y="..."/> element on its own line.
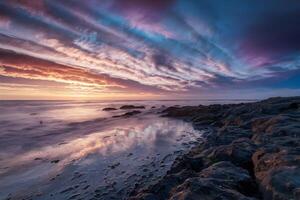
<point x="228" y="134"/>
<point x="234" y="177"/>
<point x="205" y="188"/>
<point x="55" y="161"/>
<point x="145" y="196"/>
<point x="74" y="196"/>
<point x="163" y="188"/>
<point x="249" y="151"/>
<point x="129" y="114"/>
<point x="130" y="154"/>
<point x="86" y="187"/>
<point x="222" y="180"/>
<point x="194" y="163"/>
<point x="178" y="112"/>
<point x="278" y="171"/>
<point x="281" y="183"/>
<point x="239" y="152"/>
<point x="109" y="109"/>
<point x="114" y="165"/>
<point x="145" y="170"/>
<point x="127" y="107"/>
<point x="135" y="112"/>
<point x="67" y="190"/>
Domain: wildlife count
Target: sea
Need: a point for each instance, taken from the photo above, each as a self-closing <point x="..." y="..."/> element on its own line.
<point x="75" y="150"/>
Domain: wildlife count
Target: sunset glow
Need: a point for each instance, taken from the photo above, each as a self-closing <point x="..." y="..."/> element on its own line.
<point x="140" y="49"/>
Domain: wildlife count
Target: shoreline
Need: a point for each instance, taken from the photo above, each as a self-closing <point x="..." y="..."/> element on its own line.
<point x="244" y="152"/>
<point x="102" y="159"/>
<point x="251" y="152"/>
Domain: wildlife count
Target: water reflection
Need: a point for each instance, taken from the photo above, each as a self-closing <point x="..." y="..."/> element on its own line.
<point x="126" y="144"/>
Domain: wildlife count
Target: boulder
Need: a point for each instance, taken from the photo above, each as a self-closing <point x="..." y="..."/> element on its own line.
<point x="239" y="152"/>
<point x="222" y="180"/>
<point x="281" y="183"/>
<point x="206" y="189"/>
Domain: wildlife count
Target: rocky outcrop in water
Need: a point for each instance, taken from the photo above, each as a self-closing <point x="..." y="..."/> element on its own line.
<point x="128" y="107"/>
<point x="109" y="109"/>
<point x="250" y="151"/>
<point x="128" y="114"/>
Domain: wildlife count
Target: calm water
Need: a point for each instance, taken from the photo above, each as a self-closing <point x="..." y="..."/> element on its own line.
<point x="73" y="150"/>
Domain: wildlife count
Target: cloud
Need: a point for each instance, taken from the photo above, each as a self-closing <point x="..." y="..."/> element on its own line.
<point x="171" y="46"/>
<point x="22" y="66"/>
<point x="274" y="37"/>
<point x="32" y="6"/>
<point x="147" y="10"/>
<point x="4" y="22"/>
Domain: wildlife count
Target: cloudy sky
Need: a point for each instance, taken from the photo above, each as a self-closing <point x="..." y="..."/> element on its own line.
<point x="149" y="49"/>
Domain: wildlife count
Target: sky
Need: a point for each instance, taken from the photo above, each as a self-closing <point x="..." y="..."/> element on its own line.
<point x="149" y="49"/>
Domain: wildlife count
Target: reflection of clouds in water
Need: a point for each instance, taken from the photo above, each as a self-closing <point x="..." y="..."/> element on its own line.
<point x="149" y="134"/>
<point x="76" y="113"/>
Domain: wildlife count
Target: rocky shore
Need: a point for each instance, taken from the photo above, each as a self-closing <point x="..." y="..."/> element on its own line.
<point x="249" y="151"/>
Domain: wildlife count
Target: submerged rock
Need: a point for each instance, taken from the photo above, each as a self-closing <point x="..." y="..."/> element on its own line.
<point x="128" y="114"/>
<point x="127" y="107"/>
<point x="55" y="161"/>
<point x="109" y="109"/>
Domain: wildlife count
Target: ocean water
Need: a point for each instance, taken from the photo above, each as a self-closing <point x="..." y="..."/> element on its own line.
<point x="73" y="149"/>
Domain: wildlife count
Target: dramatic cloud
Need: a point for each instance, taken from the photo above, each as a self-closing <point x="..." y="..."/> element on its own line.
<point x="16" y="65"/>
<point x="275" y="37"/>
<point x="166" y="48"/>
<point x="4" y="22"/>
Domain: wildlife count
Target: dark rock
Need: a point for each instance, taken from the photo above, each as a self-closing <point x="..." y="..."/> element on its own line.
<point x="109" y="109"/>
<point x="114" y="165"/>
<point x="129" y="114"/>
<point x="233" y="177"/>
<point x="205" y="188"/>
<point x="145" y="196"/>
<point x="238" y="152"/>
<point x="55" y="161"/>
<point x="67" y="190"/>
<point x="194" y="163"/>
<point x="74" y="196"/>
<point x="281" y="183"/>
<point x="163" y="188"/>
<point x="249" y="151"/>
<point x="127" y="107"/>
<point x="130" y="154"/>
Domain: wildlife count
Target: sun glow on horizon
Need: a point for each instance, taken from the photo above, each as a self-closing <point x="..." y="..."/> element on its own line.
<point x="141" y="49"/>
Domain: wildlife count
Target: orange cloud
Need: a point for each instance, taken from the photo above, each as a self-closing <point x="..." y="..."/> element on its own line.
<point x="23" y="66"/>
